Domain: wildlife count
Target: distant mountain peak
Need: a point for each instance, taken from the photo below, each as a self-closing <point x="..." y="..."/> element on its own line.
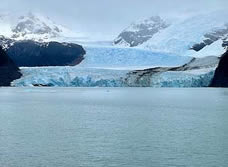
<point x="32" y="26"/>
<point x="140" y="32"/>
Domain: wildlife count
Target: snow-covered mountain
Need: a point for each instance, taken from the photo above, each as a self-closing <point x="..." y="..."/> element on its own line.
<point x="197" y="36"/>
<point x="162" y="56"/>
<point x="140" y="32"/>
<point x="33" y="27"/>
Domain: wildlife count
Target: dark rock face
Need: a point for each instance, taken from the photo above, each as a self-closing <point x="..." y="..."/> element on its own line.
<point x="32" y="54"/>
<point x="221" y="74"/>
<point x="8" y="70"/>
<point x="139" y="33"/>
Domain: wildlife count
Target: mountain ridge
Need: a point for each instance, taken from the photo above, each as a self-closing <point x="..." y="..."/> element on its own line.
<point x="139" y="32"/>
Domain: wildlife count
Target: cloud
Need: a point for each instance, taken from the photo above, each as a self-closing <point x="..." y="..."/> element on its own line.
<point x="109" y="16"/>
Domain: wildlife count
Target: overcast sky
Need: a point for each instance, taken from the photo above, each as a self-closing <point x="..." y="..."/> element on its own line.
<point x="108" y="17"/>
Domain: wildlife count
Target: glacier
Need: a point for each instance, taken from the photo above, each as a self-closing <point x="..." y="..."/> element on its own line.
<point x="109" y="57"/>
<point x="93" y="77"/>
<point x="108" y="66"/>
<point x="70" y="77"/>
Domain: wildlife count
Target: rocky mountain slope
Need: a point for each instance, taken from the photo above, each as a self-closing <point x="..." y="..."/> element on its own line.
<point x="197" y="73"/>
<point x="28" y="53"/>
<point x="211" y="37"/>
<point x="140" y="32"/>
<point x="8" y="70"/>
<point x="221" y="74"/>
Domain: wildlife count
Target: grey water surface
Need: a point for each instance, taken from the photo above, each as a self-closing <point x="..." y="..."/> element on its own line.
<point x="113" y="127"/>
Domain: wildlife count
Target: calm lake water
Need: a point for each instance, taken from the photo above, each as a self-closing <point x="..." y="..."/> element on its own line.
<point x="121" y="127"/>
